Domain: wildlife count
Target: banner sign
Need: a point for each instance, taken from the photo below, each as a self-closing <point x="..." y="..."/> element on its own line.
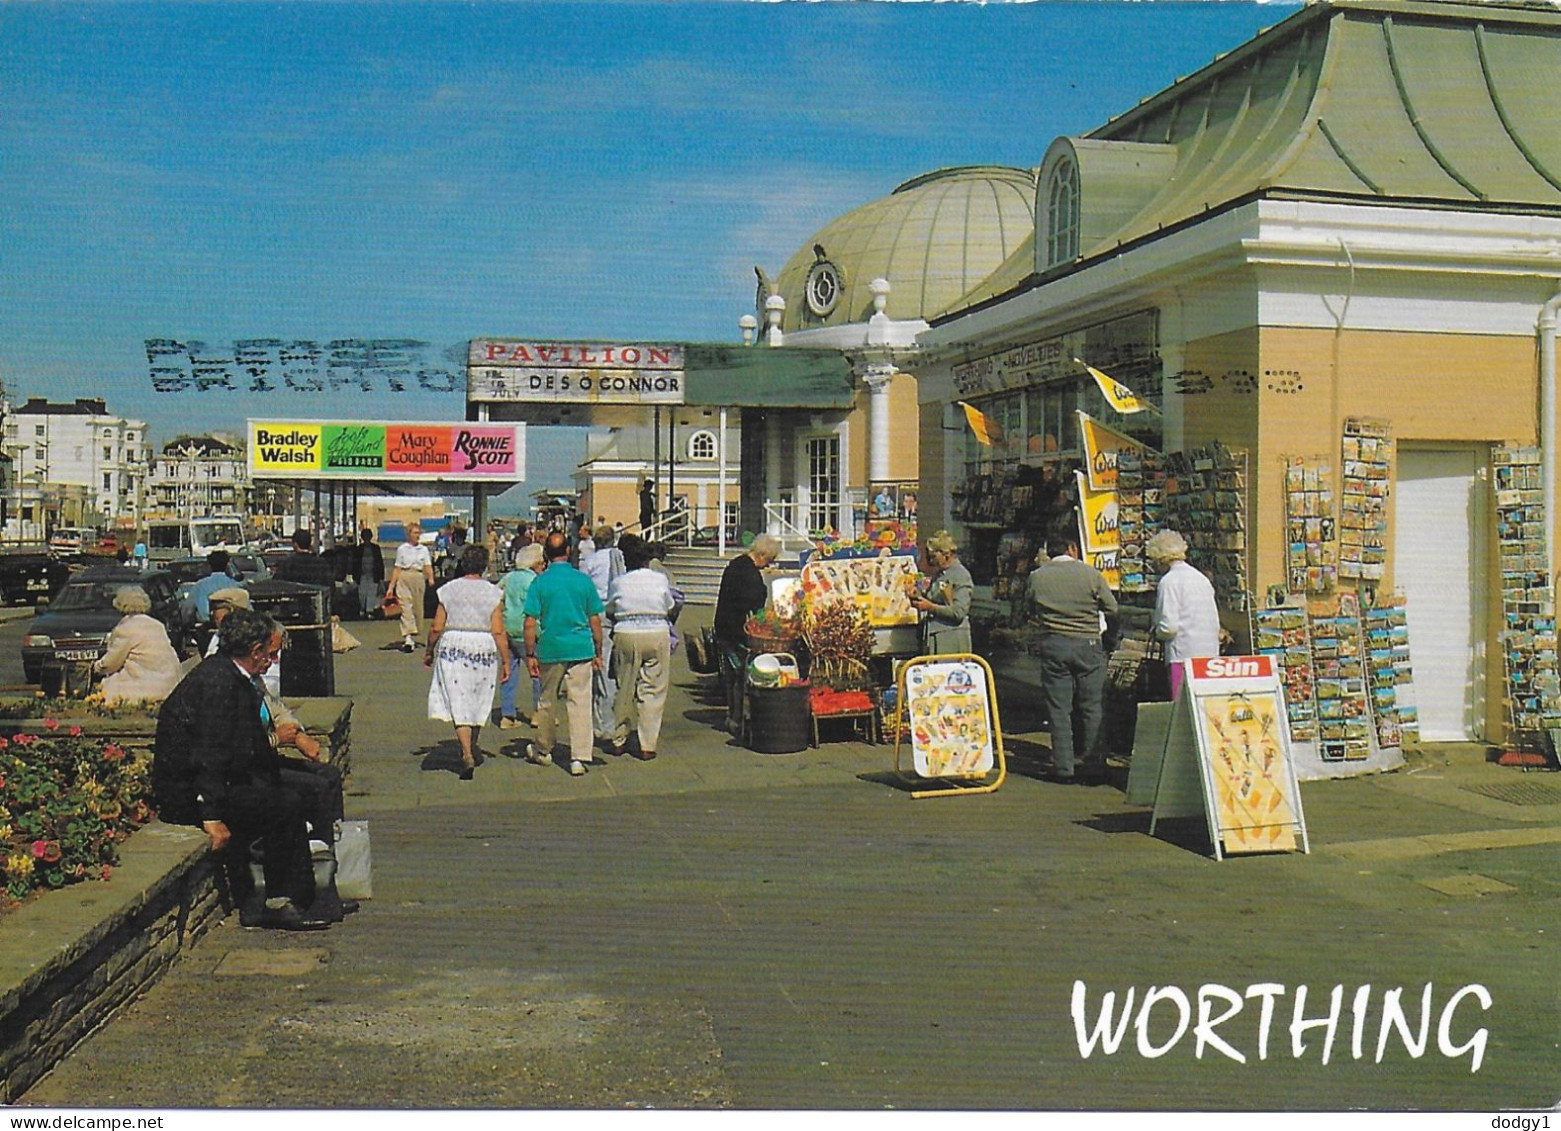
<point x="1098" y="516"/>
<point x="1101" y="445"/>
<point x="511" y="370"/>
<point x="360" y="449"/>
<point x="1228" y="757"/>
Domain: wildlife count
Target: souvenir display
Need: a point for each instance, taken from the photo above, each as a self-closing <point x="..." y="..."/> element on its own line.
<point x="1363" y="501"/>
<point x="1312" y="548"/>
<point x="1140" y="513"/>
<point x="1284" y="634"/>
<point x="1389" y="674"/>
<point x="1342" y="713"/>
<point x="1206" y="500"/>
<point x="1528" y="602"/>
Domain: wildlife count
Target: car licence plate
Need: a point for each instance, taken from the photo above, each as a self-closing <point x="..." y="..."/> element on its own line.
<point x="77" y="654"/>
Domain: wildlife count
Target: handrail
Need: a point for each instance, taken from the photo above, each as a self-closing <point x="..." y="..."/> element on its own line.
<point x="777" y="518"/>
<point x="669" y="526"/>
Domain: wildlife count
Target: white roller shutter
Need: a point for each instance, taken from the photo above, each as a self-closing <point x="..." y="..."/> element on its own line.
<point x="1440" y="565"/>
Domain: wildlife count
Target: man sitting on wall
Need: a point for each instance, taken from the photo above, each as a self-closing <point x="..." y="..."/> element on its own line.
<point x="215" y="765"/>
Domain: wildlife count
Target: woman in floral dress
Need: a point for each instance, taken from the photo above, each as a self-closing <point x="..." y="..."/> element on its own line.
<point x="468" y="652"/>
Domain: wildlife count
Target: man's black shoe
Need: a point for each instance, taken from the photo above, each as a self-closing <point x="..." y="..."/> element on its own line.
<point x="285" y="918"/>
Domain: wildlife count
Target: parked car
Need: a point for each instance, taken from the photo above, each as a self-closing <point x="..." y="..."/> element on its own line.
<point x="75" y="624"/>
<point x="186" y="572"/>
<point x="251" y="567"/>
<point x="29" y="574"/>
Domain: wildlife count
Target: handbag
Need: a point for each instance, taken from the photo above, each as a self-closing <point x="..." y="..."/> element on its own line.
<point x="354" y="879"/>
<point x="390" y="607"/>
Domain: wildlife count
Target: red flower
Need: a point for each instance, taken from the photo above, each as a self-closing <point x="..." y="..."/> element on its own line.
<point x="113" y="753"/>
<point x="106" y="871"/>
<point x="51" y="724"/>
<point x="39" y="848"/>
<point x="25" y="739"/>
<point x="4" y="742"/>
<point x="75" y="731"/>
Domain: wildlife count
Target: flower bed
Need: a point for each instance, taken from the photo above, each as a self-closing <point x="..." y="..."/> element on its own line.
<point x="66" y="802"/>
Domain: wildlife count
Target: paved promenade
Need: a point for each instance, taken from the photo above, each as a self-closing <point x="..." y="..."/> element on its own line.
<point x="720" y="928"/>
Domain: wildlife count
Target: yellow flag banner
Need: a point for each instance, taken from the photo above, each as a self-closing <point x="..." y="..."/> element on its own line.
<point x="987" y="430"/>
<point x="1117" y="395"/>
<point x="1098" y="514"/>
<point x="1101" y="445"/>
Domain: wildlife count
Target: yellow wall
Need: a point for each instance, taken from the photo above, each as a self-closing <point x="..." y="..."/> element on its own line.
<point x="1277" y="394"/>
<point x="904" y="451"/>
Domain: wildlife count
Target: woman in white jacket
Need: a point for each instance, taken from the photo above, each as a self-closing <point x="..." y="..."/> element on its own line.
<point x="140" y="664"/>
<point x="1186" y="618"/>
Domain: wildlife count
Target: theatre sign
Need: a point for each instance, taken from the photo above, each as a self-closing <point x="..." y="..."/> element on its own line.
<point x="510" y="371"/>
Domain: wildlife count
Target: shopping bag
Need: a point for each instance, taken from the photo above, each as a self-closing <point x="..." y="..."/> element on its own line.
<point x="353" y="866"/>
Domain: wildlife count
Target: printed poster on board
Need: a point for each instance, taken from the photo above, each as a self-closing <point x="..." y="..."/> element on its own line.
<point x="948" y="709"/>
<point x="881" y="587"/>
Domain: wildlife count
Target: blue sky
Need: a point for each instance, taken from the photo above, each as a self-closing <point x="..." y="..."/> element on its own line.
<point x="229" y="170"/>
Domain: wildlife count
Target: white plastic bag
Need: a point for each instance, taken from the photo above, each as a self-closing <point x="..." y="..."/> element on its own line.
<point x="353" y="865"/>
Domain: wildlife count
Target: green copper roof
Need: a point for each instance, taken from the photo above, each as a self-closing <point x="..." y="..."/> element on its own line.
<point x="933" y="238"/>
<point x="1408" y="101"/>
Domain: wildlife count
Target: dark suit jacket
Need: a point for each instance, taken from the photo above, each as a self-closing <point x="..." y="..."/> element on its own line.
<point x="209" y="737"/>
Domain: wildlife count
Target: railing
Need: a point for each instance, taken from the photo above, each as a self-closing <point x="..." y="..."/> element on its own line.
<point x="780" y="524"/>
<point x="671" y="527"/>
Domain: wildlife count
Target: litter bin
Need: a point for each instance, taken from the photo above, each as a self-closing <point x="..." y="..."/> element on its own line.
<point x="308" y="664"/>
<point x="778" y="719"/>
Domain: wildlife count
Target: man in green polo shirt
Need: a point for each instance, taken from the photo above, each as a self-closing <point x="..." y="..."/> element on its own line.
<point x="563" y="648"/>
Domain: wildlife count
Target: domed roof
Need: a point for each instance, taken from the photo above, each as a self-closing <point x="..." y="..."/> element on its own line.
<point x="934" y="238"/>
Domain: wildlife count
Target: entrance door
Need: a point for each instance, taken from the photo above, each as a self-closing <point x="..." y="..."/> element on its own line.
<point x="1440" y="564"/>
<point x="823" y="483"/>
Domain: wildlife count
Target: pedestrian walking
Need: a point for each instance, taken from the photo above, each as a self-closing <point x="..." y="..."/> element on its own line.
<point x="1070" y="598"/>
<point x="946" y="604"/>
<point x="602" y="565"/>
<point x="467" y="652"/>
<point x="516" y="584"/>
<point x="640" y="606"/>
<point x="1186" y="617"/>
<point x="563" y="636"/>
<point x="410" y="577"/>
<point x="369" y="569"/>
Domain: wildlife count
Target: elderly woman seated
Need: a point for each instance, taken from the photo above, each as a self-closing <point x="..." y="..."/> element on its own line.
<point x="140" y="664"/>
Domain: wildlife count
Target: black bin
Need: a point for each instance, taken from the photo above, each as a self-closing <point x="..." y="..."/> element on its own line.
<point x="308" y="664"/>
<point x="779" y="721"/>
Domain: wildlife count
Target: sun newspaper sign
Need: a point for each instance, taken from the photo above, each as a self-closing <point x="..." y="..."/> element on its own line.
<point x="362" y="449"/>
<point x="511" y="371"/>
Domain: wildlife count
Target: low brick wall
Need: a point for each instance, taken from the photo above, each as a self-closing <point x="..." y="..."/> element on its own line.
<point x="70" y="958"/>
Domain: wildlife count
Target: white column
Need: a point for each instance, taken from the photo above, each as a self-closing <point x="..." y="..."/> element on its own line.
<point x="720" y="494"/>
<point x="877" y="378"/>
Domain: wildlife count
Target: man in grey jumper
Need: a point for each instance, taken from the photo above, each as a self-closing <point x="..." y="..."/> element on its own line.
<point x="1068" y="598"/>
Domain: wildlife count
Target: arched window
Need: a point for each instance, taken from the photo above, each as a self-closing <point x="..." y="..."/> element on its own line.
<point x="701" y="445"/>
<point x="1062" y="213"/>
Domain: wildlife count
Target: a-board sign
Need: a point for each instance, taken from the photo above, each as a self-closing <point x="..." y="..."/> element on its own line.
<point x="948" y="709"/>
<point x="1228" y="757"/>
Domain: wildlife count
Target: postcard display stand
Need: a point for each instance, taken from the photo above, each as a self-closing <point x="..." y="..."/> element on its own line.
<point x="948" y="708"/>
<point x="1533" y="699"/>
<point x="1228" y="758"/>
<point x="1343" y="659"/>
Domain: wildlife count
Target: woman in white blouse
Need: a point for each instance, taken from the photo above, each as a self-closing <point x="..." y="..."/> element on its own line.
<point x="1186" y="618"/>
<point x="641" y="605"/>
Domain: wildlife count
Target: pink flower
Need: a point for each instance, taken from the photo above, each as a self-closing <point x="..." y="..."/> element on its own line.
<point x="51" y="724"/>
<point x="25" y="739"/>
<point x="4" y="742"/>
<point x="39" y="848"/>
